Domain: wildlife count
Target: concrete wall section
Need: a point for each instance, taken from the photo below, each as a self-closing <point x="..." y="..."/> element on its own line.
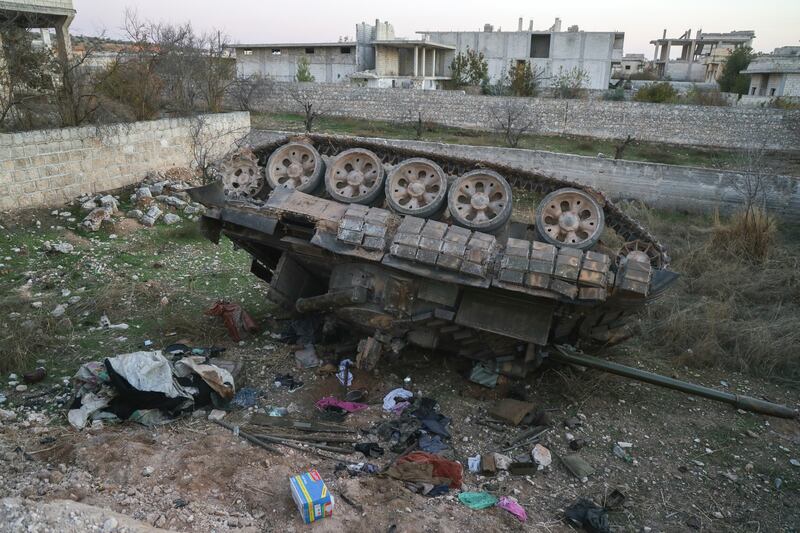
<point x="51" y="167"/>
<point x="690" y="189"/>
<point x="327" y="64"/>
<point x="725" y="127"/>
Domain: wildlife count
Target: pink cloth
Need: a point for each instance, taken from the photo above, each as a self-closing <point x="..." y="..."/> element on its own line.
<point x="513" y="507"/>
<point x="350" y="407"/>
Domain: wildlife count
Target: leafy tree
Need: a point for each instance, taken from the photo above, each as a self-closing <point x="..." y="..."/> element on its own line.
<point x="731" y="80"/>
<point x="303" y="72"/>
<point x="570" y="83"/>
<point x="657" y="93"/>
<point x="469" y="68"/>
<point x="524" y="80"/>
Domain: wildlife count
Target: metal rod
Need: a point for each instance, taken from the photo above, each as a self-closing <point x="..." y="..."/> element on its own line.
<point x="246" y="436"/>
<point x="742" y="402"/>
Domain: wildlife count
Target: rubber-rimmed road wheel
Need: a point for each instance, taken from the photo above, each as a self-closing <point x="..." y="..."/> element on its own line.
<point x="480" y="200"/>
<point x="570" y="217"/>
<point x="416" y="187"/>
<point x="295" y="166"/>
<point x="355" y="177"/>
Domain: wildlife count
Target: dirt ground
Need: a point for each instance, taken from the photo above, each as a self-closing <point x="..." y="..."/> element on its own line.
<point x="697" y="464"/>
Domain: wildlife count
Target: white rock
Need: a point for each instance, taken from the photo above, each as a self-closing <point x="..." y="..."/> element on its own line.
<point x="88" y="205"/>
<point x="217" y="414"/>
<point x="171" y="218"/>
<point x="74" y="300"/>
<point x="109" y="202"/>
<point x="541" y="456"/>
<point x="110" y="525"/>
<point x="59" y="310"/>
<point x="148" y="471"/>
<point x="7" y="416"/>
<point x="174" y="201"/>
<point x="21" y="388"/>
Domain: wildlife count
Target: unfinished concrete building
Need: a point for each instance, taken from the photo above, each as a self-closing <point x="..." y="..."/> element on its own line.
<point x="550" y="50"/>
<point x="700" y="59"/>
<point x="376" y="58"/>
<point x="630" y="64"/>
<point x="44" y="15"/>
<point x="776" y="74"/>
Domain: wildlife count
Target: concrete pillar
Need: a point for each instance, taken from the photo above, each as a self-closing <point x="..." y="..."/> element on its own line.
<point x="416" y="60"/>
<point x="423" y="61"/>
<point x="433" y="62"/>
<point x="63" y="43"/>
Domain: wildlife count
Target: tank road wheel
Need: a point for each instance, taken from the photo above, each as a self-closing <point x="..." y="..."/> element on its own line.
<point x="355" y="177"/>
<point x="570" y="217"/>
<point x="295" y="166"/>
<point x="241" y="177"/>
<point x="480" y="200"/>
<point x="637" y="248"/>
<point x="416" y="187"/>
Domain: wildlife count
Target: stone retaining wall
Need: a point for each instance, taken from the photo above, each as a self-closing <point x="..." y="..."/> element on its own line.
<point x="51" y="167"/>
<point x="724" y="127"/>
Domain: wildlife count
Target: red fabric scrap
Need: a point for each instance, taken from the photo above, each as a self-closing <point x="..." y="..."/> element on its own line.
<point x="236" y="319"/>
<point x="441" y="466"/>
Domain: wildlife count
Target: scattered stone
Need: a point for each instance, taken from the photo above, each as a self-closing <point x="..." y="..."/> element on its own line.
<point x="148" y="471"/>
<point x="572" y="423"/>
<point x="717" y="515"/>
<point x="794" y="462"/>
<point x="135" y="214"/>
<point x="110" y="203"/>
<point x="73" y="300"/>
<point x="88" y="205"/>
<point x="95" y="219"/>
<point x="60" y="247"/>
<point x="59" y="310"/>
<point x="693" y="522"/>
<point x="174" y="202"/>
<point x="149" y="218"/>
<point x="110" y="525"/>
<point x="36" y="305"/>
<point x="751" y="433"/>
<point x="21" y="388"/>
<point x="171" y="218"/>
<point x="541" y="456"/>
<point x="778" y="483"/>
<point x="217" y="414"/>
<point x="748" y="467"/>
<point x="7" y="416"/>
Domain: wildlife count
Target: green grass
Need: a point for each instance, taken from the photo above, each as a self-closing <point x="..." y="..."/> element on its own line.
<point x="638" y="151"/>
<point x="126" y="277"/>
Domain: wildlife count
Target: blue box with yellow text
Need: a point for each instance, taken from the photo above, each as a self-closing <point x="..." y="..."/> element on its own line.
<point x="311" y="495"/>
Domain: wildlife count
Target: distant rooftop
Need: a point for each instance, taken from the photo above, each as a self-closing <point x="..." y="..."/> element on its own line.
<point x="783" y="59"/>
<point x="48" y="7"/>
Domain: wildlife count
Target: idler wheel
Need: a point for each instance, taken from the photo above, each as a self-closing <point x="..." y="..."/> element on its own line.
<point x="480" y="200"/>
<point x="295" y="166"/>
<point x="355" y="177"/>
<point x="416" y="187"/>
<point x="570" y="217"/>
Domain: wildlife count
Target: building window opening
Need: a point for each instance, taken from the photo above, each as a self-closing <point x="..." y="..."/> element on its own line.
<point x="247" y="52"/>
<point x="345" y="49"/>
<point x="276" y="51"/>
<point x="540" y="45"/>
<point x="772" y="92"/>
<point x="627" y="67"/>
<point x="309" y="50"/>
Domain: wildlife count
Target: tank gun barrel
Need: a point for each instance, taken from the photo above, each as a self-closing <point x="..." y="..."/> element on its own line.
<point x="747" y="403"/>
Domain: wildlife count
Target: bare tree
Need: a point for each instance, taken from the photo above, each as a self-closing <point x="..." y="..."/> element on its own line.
<point x="244" y="90"/>
<point x="756" y="181"/>
<point x="310" y="108"/>
<point x="513" y="118"/>
<point x="620" y="147"/>
<point x="207" y="144"/>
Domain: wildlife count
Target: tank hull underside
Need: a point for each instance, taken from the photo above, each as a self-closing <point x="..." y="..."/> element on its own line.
<point x="395" y="279"/>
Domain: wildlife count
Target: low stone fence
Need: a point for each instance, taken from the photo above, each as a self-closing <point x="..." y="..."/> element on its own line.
<point x="51" y="167"/>
<point x="683" y="188"/>
<point x="723" y="127"/>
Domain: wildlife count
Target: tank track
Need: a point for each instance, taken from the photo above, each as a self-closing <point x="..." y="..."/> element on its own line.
<point x="629" y="229"/>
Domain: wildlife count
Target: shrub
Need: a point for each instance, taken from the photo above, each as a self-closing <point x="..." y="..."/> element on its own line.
<point x="784" y="103"/>
<point x="524" y="80"/>
<point x="702" y="96"/>
<point x="731" y="81"/>
<point x="570" y="83"/>
<point x="615" y="95"/>
<point x="657" y="93"/>
<point x="469" y="68"/>
<point x="303" y="72"/>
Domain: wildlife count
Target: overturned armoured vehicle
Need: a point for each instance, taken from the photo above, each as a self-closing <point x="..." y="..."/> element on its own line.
<point x="423" y="250"/>
<point x="418" y="248"/>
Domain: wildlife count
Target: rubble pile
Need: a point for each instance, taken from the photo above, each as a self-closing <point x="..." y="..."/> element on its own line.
<point x="160" y="196"/>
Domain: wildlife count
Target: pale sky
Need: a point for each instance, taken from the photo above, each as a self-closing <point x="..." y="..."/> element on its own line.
<point x="775" y="22"/>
